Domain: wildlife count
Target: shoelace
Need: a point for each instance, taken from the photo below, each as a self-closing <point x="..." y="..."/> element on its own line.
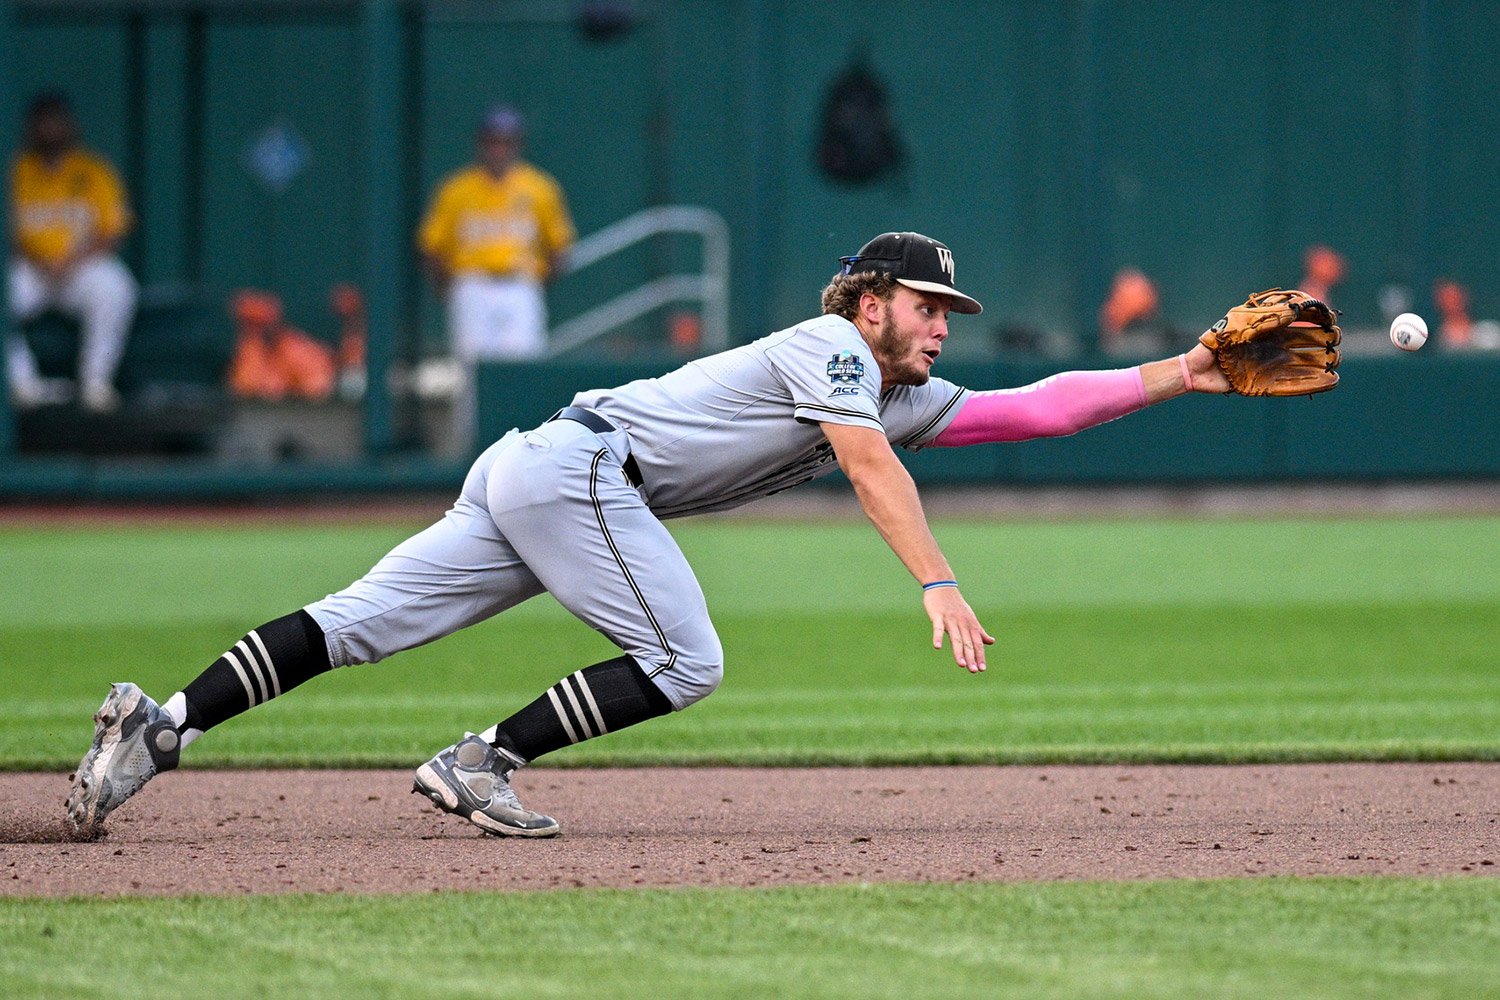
<point x="506" y="795"/>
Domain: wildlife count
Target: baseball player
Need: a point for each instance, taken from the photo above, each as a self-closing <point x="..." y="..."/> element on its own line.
<point x="68" y="216"/>
<point x="495" y="234"/>
<point x="575" y="507"/>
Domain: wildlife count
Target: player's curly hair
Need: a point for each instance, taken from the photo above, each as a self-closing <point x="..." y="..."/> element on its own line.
<point x="841" y="297"/>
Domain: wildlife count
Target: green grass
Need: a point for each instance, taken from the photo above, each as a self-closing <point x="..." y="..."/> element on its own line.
<point x="1120" y="640"/>
<point x="1319" y="938"/>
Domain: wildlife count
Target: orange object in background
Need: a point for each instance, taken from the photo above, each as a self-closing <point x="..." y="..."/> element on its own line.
<point x="1322" y="268"/>
<point x="1132" y="299"/>
<point x="348" y="305"/>
<point x="685" y="330"/>
<point x="272" y="360"/>
<point x="1452" y="300"/>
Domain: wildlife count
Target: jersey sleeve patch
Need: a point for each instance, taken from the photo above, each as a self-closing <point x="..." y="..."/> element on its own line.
<point x="830" y="374"/>
<point x="848" y="368"/>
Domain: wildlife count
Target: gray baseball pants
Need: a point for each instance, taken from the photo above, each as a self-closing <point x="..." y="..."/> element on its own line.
<point x="547" y="509"/>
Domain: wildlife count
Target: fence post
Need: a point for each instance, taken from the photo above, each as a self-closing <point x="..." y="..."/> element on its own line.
<point x="384" y="241"/>
<point x="1091" y="267"/>
<point x="8" y="106"/>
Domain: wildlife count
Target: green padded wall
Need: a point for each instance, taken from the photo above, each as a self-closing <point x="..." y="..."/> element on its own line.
<point x="1049" y="144"/>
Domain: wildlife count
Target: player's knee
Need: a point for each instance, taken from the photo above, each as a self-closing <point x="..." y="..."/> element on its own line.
<point x="346" y="647"/>
<point x="696" y="672"/>
<point x="106" y="277"/>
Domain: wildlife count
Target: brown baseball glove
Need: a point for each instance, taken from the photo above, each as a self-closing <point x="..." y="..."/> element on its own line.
<point x="1278" y="343"/>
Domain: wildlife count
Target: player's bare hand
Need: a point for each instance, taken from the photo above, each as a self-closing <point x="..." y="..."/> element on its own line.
<point x="952" y="616"/>
<point x="1207" y="376"/>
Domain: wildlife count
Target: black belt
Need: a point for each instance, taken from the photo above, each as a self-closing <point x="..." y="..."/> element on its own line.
<point x="599" y="425"/>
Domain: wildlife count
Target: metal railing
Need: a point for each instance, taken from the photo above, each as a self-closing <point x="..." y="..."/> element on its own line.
<point x="711" y="287"/>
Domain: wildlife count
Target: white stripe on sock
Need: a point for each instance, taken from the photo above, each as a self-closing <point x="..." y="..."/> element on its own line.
<point x="265" y="658"/>
<point x="562" y="714"/>
<point x="234" y="661"/>
<point x="583" y="685"/>
<point x="583" y="720"/>
<point x="254" y="669"/>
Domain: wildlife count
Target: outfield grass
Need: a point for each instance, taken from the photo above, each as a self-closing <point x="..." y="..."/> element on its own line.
<point x="1308" y="938"/>
<point x="1120" y="640"/>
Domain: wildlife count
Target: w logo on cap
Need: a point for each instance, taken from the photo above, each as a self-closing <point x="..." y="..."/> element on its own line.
<point x="945" y="261"/>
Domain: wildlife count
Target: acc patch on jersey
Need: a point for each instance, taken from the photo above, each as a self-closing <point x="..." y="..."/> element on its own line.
<point x="846" y="366"/>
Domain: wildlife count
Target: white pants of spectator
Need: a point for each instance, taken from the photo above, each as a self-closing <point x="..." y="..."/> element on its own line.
<point x="100" y="293"/>
<point x="491" y="319"/>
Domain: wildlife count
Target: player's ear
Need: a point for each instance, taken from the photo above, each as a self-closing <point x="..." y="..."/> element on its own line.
<point x="871" y="307"/>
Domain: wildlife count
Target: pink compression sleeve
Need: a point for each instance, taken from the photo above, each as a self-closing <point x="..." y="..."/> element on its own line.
<point x="1053" y="407"/>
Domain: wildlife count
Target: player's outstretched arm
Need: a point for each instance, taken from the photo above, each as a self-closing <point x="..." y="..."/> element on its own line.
<point x="1069" y="402"/>
<point x="889" y="498"/>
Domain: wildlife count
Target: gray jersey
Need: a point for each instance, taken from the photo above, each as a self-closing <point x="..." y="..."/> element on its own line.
<point x="727" y="429"/>
<point x="551" y="509"/>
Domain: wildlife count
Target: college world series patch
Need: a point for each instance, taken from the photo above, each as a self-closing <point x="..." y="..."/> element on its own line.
<point x="846" y="366"/>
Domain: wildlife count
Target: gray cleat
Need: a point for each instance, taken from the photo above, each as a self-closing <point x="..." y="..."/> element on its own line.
<point x="472" y="779"/>
<point x="133" y="741"/>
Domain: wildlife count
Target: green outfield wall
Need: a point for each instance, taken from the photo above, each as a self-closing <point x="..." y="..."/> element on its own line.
<point x="1406" y="418"/>
<point x="292" y="145"/>
<point x="1412" y="416"/>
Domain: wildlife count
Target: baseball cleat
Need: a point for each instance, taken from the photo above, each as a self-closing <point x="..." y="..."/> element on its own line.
<point x="472" y="779"/>
<point x="133" y="741"/>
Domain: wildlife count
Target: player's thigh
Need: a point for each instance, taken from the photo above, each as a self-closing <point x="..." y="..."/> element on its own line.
<point x="519" y="321"/>
<point x="456" y="573"/>
<point x="100" y="283"/>
<point x="592" y="542"/>
<point x="26" y="289"/>
<point x="468" y="298"/>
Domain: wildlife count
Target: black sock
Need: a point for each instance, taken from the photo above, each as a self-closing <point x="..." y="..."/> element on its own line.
<point x="596" y="700"/>
<point x="269" y="661"/>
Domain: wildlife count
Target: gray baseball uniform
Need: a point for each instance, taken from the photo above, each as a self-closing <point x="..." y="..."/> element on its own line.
<point x="554" y="508"/>
<point x="575" y="507"/>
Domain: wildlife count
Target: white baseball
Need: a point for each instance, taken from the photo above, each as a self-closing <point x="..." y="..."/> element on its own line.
<point x="1409" y="331"/>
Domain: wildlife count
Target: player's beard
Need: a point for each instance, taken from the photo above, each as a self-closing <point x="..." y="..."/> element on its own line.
<point x="900" y="362"/>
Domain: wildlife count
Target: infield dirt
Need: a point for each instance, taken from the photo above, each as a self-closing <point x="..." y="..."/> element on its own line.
<point x="226" y="832"/>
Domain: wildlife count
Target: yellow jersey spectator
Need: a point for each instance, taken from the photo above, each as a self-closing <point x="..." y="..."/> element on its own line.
<point x="495" y="234"/>
<point x="68" y="216"/>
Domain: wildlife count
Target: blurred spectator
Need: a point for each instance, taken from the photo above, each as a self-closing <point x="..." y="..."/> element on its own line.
<point x="274" y="361"/>
<point x="1452" y="301"/>
<point x="1322" y="269"/>
<point x="1133" y="301"/>
<point x="495" y="233"/>
<point x="68" y="216"/>
<point x="348" y="306"/>
<point x="1458" y="330"/>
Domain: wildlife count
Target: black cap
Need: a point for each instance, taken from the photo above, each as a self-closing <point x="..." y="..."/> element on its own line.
<point x="914" y="260"/>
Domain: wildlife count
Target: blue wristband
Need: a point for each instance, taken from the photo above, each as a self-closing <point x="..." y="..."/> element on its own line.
<point x="939" y="583"/>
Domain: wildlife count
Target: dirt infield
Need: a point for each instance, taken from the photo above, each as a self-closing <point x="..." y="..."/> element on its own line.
<point x="359" y="831"/>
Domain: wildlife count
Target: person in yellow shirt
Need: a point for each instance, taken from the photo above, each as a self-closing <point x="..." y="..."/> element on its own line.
<point x="494" y="235"/>
<point x="68" y="216"/>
